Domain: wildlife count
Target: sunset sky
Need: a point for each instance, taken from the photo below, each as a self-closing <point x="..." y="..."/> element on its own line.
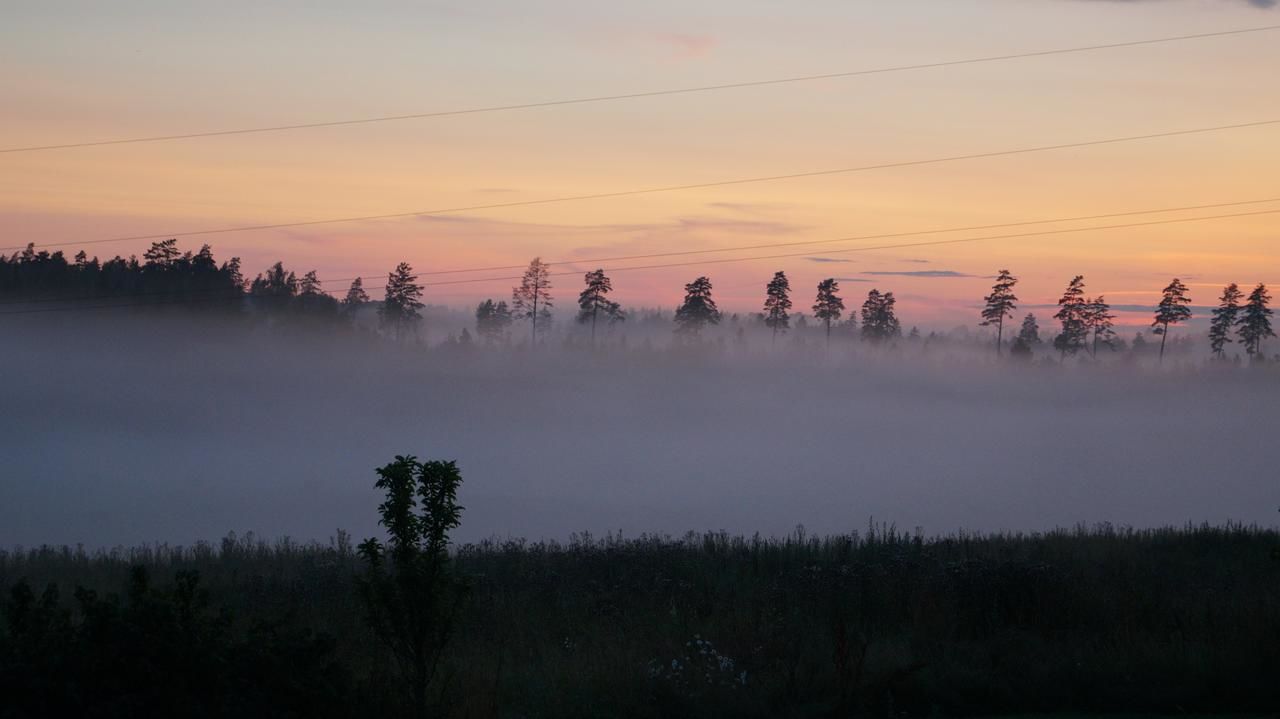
<point x="88" y="70"/>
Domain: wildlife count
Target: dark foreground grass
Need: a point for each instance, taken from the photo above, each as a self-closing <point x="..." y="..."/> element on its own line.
<point x="1169" y="621"/>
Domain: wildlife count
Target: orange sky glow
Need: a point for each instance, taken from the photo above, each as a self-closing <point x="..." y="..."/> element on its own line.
<point x="86" y="71"/>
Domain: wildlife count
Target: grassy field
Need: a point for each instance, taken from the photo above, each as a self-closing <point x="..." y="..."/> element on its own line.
<point x="877" y="623"/>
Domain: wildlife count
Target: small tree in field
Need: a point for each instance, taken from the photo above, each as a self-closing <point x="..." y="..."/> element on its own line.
<point x="1000" y="304"/>
<point x="1172" y="310"/>
<point x="1224" y="319"/>
<point x="828" y="306"/>
<point x="777" y="304"/>
<point x="410" y="589"/>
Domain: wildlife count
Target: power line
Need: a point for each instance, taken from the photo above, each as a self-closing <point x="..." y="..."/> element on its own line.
<point x="802" y="243"/>
<point x="669" y="188"/>
<point x="638" y="95"/>
<point x="744" y="248"/>
<point x="927" y="243"/>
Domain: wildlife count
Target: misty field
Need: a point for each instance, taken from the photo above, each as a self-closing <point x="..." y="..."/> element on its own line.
<point x="872" y="623"/>
<point x="128" y="432"/>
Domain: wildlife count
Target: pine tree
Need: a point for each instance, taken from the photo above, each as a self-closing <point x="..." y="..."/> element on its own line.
<point x="278" y="285"/>
<point x="594" y="301"/>
<point x="310" y="284"/>
<point x="162" y="254"/>
<point x="777" y="304"/>
<point x="403" y="299"/>
<point x="879" y="322"/>
<point x="828" y="306"/>
<point x="492" y="320"/>
<point x="1255" y="322"/>
<point x="1225" y="316"/>
<point x="531" y="300"/>
<point x="698" y="309"/>
<point x="355" y="299"/>
<point x="1000" y="304"/>
<point x="231" y="268"/>
<point x="1073" y="314"/>
<point x="1029" y="333"/>
<point x="1099" y="322"/>
<point x="1172" y="310"/>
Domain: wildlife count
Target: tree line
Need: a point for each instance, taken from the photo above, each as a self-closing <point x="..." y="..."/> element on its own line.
<point x="1087" y="322"/>
<point x="167" y="275"/>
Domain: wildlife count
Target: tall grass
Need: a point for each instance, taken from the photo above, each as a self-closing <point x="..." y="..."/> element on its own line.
<point x="875" y="622"/>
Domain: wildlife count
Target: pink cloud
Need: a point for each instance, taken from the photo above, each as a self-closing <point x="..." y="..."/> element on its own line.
<point x="686" y="46"/>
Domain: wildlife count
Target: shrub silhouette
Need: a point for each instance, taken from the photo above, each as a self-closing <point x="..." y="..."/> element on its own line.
<point x="410" y="589"/>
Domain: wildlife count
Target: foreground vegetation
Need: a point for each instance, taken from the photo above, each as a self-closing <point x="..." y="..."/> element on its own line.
<point x="872" y="623"/>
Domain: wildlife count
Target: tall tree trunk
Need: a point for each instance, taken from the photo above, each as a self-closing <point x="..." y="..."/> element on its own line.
<point x="1163" y="337"/>
<point x="999" y="336"/>
<point x="595" y="309"/>
<point x="533" y="339"/>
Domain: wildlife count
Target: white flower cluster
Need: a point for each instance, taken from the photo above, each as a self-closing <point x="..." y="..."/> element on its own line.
<point x="700" y="667"/>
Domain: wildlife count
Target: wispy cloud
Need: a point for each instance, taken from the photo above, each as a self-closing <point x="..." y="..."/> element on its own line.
<point x="851" y="279"/>
<point x="921" y="273"/>
<point x="686" y="45"/>
<point x="747" y="208"/>
<point x="828" y="259"/>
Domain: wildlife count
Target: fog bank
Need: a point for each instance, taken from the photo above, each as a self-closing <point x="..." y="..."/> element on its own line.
<point x="132" y="432"/>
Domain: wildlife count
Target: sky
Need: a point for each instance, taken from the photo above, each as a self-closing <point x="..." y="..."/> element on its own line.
<point x="78" y="70"/>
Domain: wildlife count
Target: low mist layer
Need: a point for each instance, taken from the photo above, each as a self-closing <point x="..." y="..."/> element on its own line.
<point x="148" y="431"/>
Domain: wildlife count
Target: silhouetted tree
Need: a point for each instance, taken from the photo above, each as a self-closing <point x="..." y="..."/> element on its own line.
<point x="162" y="254"/>
<point x="777" y="304"/>
<point x="1099" y="322"/>
<point x="828" y="306"/>
<point x="698" y="309"/>
<point x="1000" y="304"/>
<point x="1255" y="322"/>
<point x="1225" y="316"/>
<point x="1029" y="333"/>
<point x="1019" y="349"/>
<point x="402" y="299"/>
<point x="411" y="592"/>
<point x="310" y="284"/>
<point x="312" y="300"/>
<point x="594" y="300"/>
<point x="231" y="268"/>
<point x="492" y="320"/>
<point x="1073" y="314"/>
<point x="355" y="299"/>
<point x="531" y="300"/>
<point x="1172" y="310"/>
<point x="879" y="322"/>
<point x="276" y="288"/>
